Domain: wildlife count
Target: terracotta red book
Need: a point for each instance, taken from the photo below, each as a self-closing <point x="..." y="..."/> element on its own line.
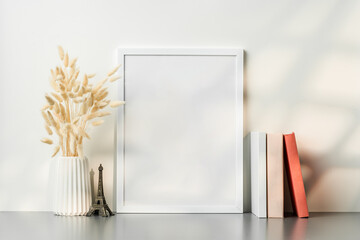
<point x="295" y="178"/>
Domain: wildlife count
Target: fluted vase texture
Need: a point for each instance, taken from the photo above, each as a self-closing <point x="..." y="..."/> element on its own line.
<point x="71" y="186"/>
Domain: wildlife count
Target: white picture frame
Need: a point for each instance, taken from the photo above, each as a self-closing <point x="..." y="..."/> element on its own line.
<point x="140" y="67"/>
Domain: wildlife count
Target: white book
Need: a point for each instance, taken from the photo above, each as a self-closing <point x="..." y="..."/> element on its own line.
<point x="256" y="154"/>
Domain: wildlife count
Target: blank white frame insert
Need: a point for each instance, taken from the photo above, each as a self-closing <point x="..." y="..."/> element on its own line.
<point x="180" y="133"/>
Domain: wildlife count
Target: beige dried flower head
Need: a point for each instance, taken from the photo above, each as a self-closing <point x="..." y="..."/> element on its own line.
<point x="114" y="78"/>
<point x="48" y="129"/>
<point x="66" y="60"/>
<point x="56" y="150"/>
<point x="97" y="123"/>
<point x="116" y="104"/>
<point x="61" y="52"/>
<point x="72" y="62"/>
<point x="114" y="70"/>
<point x="57" y="96"/>
<point x="91" y="75"/>
<point x="46" y="106"/>
<point x="47" y="140"/>
<point x="72" y="104"/>
<point x="50" y="100"/>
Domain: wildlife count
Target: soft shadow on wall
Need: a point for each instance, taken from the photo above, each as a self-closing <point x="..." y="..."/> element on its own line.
<point x="311" y="87"/>
<point x="102" y="152"/>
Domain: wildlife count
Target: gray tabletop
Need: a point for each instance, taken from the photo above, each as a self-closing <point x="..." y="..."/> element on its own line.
<point x="44" y="225"/>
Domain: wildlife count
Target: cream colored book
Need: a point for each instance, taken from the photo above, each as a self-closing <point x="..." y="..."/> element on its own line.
<point x="275" y="175"/>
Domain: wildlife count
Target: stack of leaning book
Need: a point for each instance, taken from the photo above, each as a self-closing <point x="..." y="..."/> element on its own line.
<point x="274" y="166"/>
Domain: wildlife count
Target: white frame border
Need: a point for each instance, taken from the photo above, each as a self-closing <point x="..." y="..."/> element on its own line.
<point x="120" y="160"/>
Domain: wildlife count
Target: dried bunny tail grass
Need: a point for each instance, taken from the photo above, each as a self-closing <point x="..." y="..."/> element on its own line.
<point x="91" y="116"/>
<point x="54" y="85"/>
<point x="59" y="132"/>
<point x="51" y="119"/>
<point x="72" y="95"/>
<point x="77" y="84"/>
<point x="100" y="91"/>
<point x="64" y="96"/>
<point x="46" y="106"/>
<point x="76" y="74"/>
<point x="46" y="118"/>
<point x="91" y="75"/>
<point x="75" y="130"/>
<point x="50" y="100"/>
<point x="114" y="78"/>
<point x="48" y="129"/>
<point x="80" y="93"/>
<point x="68" y="127"/>
<point x="87" y="89"/>
<point x="98" y="86"/>
<point x="86" y="80"/>
<point x="56" y="150"/>
<point x="53" y="74"/>
<point x="97" y="114"/>
<point x="102" y="96"/>
<point x="77" y="87"/>
<point x="72" y="83"/>
<point x="103" y="104"/>
<point x="72" y="75"/>
<point x="57" y="115"/>
<point x="59" y="77"/>
<point x="114" y="70"/>
<point x="90" y="101"/>
<point x="97" y="123"/>
<point x="56" y="108"/>
<point x="57" y="96"/>
<point x="80" y="150"/>
<point x="47" y="141"/>
<point x="66" y="60"/>
<point x="78" y="100"/>
<point x="61" y="52"/>
<point x="103" y="114"/>
<point x="73" y="62"/>
<point x="67" y="80"/>
<point x="72" y="71"/>
<point x="83" y="133"/>
<point x="74" y="146"/>
<point x="76" y="120"/>
<point x="62" y="87"/>
<point x="62" y="111"/>
<point x="94" y="109"/>
<point x="72" y="103"/>
<point x="115" y="104"/>
<point x="62" y="71"/>
<point x="84" y="108"/>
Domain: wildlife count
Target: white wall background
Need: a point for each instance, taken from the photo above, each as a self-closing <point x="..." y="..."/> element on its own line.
<point x="302" y="72"/>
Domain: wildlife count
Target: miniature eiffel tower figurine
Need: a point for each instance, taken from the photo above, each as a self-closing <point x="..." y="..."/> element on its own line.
<point x="100" y="206"/>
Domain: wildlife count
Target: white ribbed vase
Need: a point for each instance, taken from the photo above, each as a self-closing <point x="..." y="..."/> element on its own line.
<point x="71" y="185"/>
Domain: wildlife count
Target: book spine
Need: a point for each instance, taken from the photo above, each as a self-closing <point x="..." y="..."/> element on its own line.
<point x="258" y="174"/>
<point x="246" y="175"/>
<point x="296" y="183"/>
<point x="275" y="175"/>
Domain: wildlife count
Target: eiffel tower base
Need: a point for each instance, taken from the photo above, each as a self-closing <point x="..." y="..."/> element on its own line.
<point x="100" y="209"/>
